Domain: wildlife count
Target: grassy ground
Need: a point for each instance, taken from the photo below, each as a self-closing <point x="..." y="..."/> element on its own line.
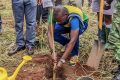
<point x="7" y="39"/>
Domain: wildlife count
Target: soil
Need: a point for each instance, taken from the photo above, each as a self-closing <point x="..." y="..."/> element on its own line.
<point x="41" y="68"/>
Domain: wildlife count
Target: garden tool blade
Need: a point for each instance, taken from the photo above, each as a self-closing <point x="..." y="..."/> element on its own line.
<point x="95" y="55"/>
<point x="98" y="47"/>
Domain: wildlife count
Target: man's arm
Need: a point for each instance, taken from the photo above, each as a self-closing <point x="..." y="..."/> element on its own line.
<point x="74" y="23"/>
<point x="70" y="45"/>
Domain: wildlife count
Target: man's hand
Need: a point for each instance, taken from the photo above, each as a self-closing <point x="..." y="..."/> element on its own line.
<point x="59" y="65"/>
<point x="39" y="2"/>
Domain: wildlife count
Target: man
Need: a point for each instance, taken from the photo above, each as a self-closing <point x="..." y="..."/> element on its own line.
<point x="28" y="9"/>
<point x="71" y="20"/>
<point x="114" y="39"/>
<point x="107" y="18"/>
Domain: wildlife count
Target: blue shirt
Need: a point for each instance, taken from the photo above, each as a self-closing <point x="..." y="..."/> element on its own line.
<point x="74" y="23"/>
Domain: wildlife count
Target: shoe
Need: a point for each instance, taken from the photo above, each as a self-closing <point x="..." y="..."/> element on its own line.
<point x="116" y="73"/>
<point x="30" y="51"/>
<point x="74" y="60"/>
<point x="15" y="50"/>
<point x="116" y="77"/>
<point x="116" y="70"/>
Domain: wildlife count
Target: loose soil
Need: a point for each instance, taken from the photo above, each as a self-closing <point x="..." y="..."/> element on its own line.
<point x="41" y="68"/>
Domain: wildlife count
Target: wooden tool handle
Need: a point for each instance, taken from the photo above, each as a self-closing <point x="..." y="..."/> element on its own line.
<point x="101" y="14"/>
<point x="53" y="46"/>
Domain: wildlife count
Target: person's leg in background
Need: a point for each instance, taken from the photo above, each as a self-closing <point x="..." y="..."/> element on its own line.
<point x="41" y="18"/>
<point x="114" y="39"/>
<point x="30" y="15"/>
<point x="18" y="12"/>
<point x="108" y="12"/>
<point x="38" y="19"/>
<point x="39" y="13"/>
<point x="108" y="25"/>
<point x="45" y="12"/>
<point x="0" y="25"/>
<point x="101" y="33"/>
<point x="107" y="19"/>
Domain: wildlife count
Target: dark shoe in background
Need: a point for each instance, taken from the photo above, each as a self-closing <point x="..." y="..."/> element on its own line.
<point x="116" y="73"/>
<point x="116" y="70"/>
<point x="30" y="51"/>
<point x="116" y="77"/>
<point x="15" y="49"/>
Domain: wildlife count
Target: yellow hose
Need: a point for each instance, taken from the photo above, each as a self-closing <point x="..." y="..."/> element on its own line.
<point x="3" y="72"/>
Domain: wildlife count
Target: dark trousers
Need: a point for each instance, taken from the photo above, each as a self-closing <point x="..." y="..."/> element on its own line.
<point x="41" y="12"/>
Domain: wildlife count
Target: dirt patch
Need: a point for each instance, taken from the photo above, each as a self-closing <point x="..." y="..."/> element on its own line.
<point x="41" y="68"/>
<point x="8" y="21"/>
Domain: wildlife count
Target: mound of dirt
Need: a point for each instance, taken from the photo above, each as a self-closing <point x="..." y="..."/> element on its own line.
<point x="41" y="68"/>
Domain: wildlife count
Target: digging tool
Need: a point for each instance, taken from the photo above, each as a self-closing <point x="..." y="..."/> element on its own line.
<point x="54" y="54"/>
<point x="98" y="48"/>
<point x="52" y="36"/>
<point x="50" y="4"/>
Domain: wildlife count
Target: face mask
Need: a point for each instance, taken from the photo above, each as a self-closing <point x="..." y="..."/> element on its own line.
<point x="62" y="20"/>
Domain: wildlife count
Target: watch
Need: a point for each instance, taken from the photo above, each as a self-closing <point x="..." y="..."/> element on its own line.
<point x="62" y="60"/>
